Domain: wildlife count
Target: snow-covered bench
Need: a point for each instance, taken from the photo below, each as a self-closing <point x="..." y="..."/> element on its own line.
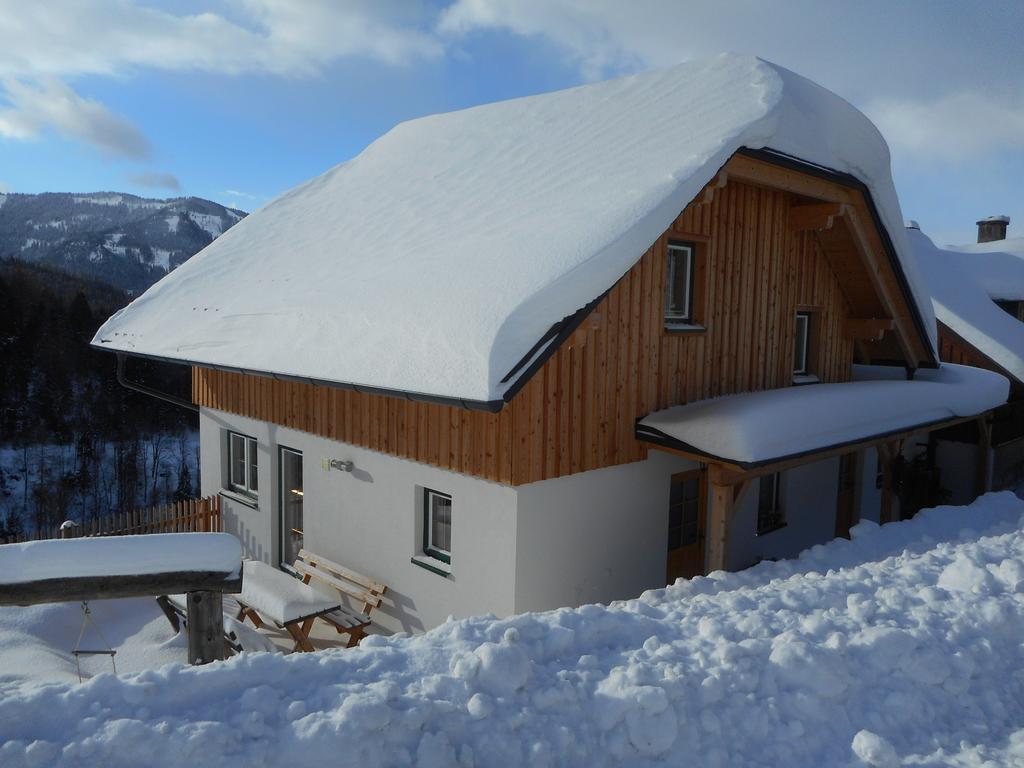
<point x="364" y="591"/>
<point x="237" y="636"/>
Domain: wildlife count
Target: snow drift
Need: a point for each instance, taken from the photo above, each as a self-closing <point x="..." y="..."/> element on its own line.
<point x="901" y="646"/>
<point x="435" y="260"/>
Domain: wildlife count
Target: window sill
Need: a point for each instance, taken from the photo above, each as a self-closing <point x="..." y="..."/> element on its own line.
<point x="432" y="564"/>
<point x="773" y="529"/>
<point x="684" y="328"/>
<point x="241" y="498"/>
<point x="805" y="378"/>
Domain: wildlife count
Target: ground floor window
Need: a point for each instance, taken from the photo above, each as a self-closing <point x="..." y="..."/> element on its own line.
<point x="437" y="525"/>
<point x="770" y="514"/>
<point x="291" y="505"/>
<point x="242" y="464"/>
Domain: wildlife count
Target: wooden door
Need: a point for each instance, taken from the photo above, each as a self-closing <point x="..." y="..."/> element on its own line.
<point x="847" y="514"/>
<point x="687" y="514"/>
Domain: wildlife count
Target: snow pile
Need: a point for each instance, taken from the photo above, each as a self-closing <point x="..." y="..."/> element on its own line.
<point x="778" y="423"/>
<point x="965" y="281"/>
<point x="439" y="256"/>
<point x="36" y="642"/>
<point x="119" y="556"/>
<point x="902" y="646"/>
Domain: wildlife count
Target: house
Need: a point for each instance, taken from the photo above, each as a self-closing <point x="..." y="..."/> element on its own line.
<point x="566" y="348"/>
<point x="978" y="297"/>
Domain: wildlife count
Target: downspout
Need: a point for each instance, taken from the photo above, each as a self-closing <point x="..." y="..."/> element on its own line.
<point x="142" y="388"/>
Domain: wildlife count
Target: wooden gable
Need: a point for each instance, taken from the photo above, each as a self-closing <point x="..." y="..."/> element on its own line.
<point x="769" y="241"/>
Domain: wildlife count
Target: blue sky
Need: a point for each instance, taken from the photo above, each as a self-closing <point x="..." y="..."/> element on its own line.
<point x="240" y="100"/>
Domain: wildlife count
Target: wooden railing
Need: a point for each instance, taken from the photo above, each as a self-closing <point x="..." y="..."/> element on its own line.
<point x="191" y="515"/>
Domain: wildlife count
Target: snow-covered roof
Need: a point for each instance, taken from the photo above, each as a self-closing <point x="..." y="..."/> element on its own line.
<point x="436" y="259"/>
<point x="965" y="281"/>
<point x="760" y="427"/>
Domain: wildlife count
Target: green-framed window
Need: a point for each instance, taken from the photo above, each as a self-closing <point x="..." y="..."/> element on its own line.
<point x="680" y="261"/>
<point x="437" y="525"/>
<point x="243" y="459"/>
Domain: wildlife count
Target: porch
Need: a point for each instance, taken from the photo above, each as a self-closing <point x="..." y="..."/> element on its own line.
<point x="756" y="436"/>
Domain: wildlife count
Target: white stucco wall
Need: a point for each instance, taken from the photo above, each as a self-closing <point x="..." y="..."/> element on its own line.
<point x="595" y="536"/>
<point x="808" y="495"/>
<point x="370" y="520"/>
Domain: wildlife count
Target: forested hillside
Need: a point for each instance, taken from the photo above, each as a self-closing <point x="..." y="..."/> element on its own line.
<point x="73" y="442"/>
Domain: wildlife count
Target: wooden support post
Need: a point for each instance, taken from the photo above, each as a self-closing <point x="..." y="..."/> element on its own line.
<point x="887" y="453"/>
<point x="205" y="627"/>
<point x="983" y="482"/>
<point x="723" y="498"/>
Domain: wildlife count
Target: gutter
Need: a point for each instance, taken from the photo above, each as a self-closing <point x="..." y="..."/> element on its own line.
<point x="122" y="379"/>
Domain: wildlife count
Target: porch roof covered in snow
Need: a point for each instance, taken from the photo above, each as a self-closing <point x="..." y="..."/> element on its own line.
<point x="450" y="255"/>
<point x="805" y="423"/>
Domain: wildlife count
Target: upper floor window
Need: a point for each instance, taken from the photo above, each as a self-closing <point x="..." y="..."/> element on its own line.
<point x="242" y="463"/>
<point x="802" y="344"/>
<point x="680" y="267"/>
<point x="437" y="525"/>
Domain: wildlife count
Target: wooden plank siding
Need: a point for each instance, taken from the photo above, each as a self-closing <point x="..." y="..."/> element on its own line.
<point x="579" y="410"/>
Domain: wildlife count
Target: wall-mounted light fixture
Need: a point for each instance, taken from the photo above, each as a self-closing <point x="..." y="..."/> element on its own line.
<point x="344" y="466"/>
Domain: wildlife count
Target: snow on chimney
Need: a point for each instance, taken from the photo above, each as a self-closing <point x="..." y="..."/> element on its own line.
<point x="992" y="228"/>
<point x="911" y="224"/>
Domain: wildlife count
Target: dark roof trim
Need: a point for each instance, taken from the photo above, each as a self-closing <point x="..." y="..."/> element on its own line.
<point x="489" y="406"/>
<point x="784" y="160"/>
<point x="657" y="437"/>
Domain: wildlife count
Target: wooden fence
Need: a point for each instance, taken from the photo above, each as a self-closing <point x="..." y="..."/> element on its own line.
<point x="190" y="515"/>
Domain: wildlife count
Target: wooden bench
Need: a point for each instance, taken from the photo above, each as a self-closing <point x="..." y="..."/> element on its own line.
<point x="364" y="591"/>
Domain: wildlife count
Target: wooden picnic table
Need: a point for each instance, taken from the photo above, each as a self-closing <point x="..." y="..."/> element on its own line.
<point x="272" y="595"/>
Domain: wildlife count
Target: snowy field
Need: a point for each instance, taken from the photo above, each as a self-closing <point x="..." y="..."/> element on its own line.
<point x="902" y="647"/>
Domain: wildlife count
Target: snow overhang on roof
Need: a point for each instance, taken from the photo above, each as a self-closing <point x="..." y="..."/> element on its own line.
<point x="434" y="261"/>
<point x="965" y="281"/>
<point x="759" y="428"/>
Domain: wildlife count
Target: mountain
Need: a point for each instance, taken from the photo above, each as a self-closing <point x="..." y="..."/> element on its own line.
<point x="127" y="241"/>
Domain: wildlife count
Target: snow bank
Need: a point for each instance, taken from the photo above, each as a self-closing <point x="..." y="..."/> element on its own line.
<point x="436" y="259"/>
<point x="119" y="556"/>
<point x="777" y="423"/>
<point x="901" y="646"/>
<point x="964" y="281"/>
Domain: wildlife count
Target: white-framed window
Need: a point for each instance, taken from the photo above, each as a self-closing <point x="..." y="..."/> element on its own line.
<point x="770" y="514"/>
<point x="679" y="271"/>
<point x="437" y="525"/>
<point x="242" y="464"/>
<point x="802" y="344"/>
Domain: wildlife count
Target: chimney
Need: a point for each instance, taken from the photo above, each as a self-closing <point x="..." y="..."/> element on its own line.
<point x="992" y="228"/>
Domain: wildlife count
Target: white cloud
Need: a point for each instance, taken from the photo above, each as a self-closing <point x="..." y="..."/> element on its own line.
<point x="43" y="45"/>
<point x="156" y="180"/>
<point x="236" y="193"/>
<point x="285" y="37"/>
<point x="33" y="108"/>
<point x="957" y="127"/>
<point x="4" y="188"/>
<point x="918" y="67"/>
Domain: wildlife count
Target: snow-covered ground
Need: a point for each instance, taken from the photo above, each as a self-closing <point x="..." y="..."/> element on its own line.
<point x="903" y="646"/>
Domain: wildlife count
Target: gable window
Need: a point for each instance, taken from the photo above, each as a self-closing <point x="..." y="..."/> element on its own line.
<point x="802" y="344"/>
<point x="680" y="266"/>
<point x="242" y="463"/>
<point x="437" y="525"/>
<point x="770" y="514"/>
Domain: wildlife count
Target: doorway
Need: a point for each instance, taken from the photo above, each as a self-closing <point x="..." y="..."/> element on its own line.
<point x="291" y="505"/>
<point x="687" y="513"/>
<point x="847" y="514"/>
